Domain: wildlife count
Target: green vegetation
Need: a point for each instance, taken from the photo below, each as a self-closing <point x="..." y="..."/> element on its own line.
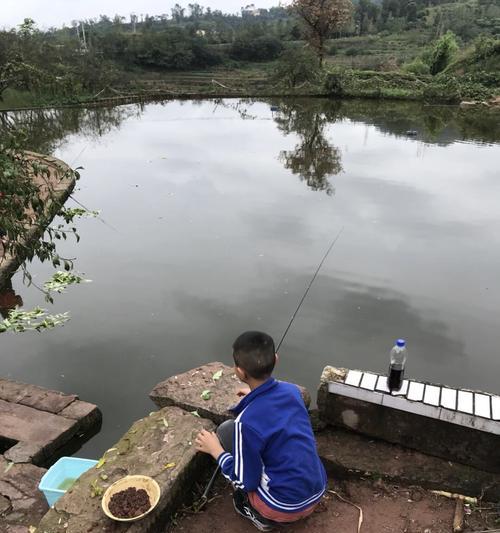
<point x="27" y="205"/>
<point x="265" y="52"/>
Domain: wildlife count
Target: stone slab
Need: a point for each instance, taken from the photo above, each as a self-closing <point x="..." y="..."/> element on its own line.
<point x="21" y="423"/>
<point x="26" y="452"/>
<point x="185" y="390"/>
<point x="160" y="446"/>
<point x="21" y="503"/>
<point x="39" y="424"/>
<point x="34" y="396"/>
<point x="349" y="455"/>
<point x="79" y="410"/>
<point x="416" y="421"/>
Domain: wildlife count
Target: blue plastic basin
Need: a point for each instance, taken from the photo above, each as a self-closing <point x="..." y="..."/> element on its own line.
<point x="61" y="476"/>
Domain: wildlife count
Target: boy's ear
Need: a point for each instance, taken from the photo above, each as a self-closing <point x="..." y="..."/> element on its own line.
<point x="277" y="358"/>
<point x="242" y="375"/>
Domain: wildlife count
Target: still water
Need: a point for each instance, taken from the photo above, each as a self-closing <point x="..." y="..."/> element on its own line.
<point x="215" y="215"/>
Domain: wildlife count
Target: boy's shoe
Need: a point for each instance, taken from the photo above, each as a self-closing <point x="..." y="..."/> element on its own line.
<point x="243" y="507"/>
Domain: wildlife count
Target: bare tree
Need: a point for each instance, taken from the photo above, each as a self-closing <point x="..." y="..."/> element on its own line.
<point x="321" y="18"/>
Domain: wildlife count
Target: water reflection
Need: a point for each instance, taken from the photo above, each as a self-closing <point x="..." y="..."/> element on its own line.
<point x="216" y="235"/>
<point x="434" y="124"/>
<point x="47" y="129"/>
<point x="313" y="159"/>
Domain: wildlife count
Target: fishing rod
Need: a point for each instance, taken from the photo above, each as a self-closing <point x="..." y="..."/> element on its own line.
<point x="204" y="498"/>
<point x="309" y="286"/>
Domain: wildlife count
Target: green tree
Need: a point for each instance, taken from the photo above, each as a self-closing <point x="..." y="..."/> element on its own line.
<point x="296" y="65"/>
<point x="442" y="53"/>
<point x="321" y="18"/>
<point x="26" y="194"/>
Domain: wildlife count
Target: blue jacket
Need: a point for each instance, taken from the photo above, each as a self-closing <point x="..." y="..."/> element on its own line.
<point x="275" y="450"/>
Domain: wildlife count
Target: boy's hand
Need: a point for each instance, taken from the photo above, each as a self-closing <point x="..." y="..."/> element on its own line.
<point x="208" y="442"/>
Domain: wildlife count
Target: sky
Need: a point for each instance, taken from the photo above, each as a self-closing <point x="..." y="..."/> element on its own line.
<point x="13" y="12"/>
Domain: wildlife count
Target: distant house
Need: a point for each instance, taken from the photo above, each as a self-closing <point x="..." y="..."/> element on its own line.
<point x="201" y="33"/>
<point x="250" y="11"/>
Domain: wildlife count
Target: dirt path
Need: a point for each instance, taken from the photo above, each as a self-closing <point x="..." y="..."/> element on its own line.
<point x="386" y="509"/>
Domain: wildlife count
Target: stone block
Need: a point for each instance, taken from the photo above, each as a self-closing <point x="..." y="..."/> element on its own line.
<point x="413" y="418"/>
<point x="349" y="455"/>
<point x="43" y="423"/>
<point x="25" y="452"/>
<point x="21" y="503"/>
<point x="185" y="391"/>
<point x="159" y="446"/>
<point x="21" y="423"/>
<point x="79" y="410"/>
<point x="34" y="396"/>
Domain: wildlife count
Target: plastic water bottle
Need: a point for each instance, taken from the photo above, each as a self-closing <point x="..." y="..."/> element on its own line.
<point x="397" y="366"/>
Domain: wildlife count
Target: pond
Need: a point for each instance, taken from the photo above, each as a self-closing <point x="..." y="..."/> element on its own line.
<point x="214" y="216"/>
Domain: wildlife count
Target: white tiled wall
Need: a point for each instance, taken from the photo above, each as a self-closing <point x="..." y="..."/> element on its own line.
<point x="462" y="407"/>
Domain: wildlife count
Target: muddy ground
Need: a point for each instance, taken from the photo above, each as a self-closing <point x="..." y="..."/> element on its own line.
<point x="386" y="509"/>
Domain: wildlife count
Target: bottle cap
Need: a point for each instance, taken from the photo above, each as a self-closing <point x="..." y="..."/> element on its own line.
<point x="401" y="343"/>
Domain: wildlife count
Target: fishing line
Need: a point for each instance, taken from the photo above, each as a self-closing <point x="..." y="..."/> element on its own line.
<point x="97" y="216"/>
<point x="309" y="286"/>
<point x="80" y="203"/>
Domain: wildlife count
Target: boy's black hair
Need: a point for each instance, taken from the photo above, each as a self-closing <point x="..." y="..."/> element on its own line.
<point x="254" y="352"/>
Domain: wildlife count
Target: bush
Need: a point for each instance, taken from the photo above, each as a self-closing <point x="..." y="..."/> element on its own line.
<point x="250" y="48"/>
<point x="337" y="82"/>
<point x="486" y="46"/>
<point x="442" y="53"/>
<point x="445" y="89"/>
<point x="297" y="65"/>
<point x="417" y="66"/>
<point x="352" y="51"/>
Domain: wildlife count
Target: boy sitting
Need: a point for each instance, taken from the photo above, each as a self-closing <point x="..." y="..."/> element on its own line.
<point x="270" y="456"/>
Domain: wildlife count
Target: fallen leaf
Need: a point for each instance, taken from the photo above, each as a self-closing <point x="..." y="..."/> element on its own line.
<point x="165" y="423"/>
<point x="195" y="413"/>
<point x="8" y="467"/>
<point x="101" y="462"/>
<point x="217" y="375"/>
<point x="206" y="394"/>
<point x="169" y="465"/>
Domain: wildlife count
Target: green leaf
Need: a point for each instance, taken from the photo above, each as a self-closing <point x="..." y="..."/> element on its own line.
<point x="195" y="413"/>
<point x="206" y="394"/>
<point x="217" y="375"/>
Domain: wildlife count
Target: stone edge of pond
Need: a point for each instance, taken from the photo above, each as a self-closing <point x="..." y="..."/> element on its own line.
<point x="359" y="401"/>
<point x="66" y="422"/>
<point x="65" y="184"/>
<point x="159" y="446"/>
<point x="209" y="390"/>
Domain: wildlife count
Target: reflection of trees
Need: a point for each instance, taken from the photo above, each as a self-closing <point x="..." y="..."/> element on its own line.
<point x="46" y="129"/>
<point x="435" y="124"/>
<point x="314" y="159"/>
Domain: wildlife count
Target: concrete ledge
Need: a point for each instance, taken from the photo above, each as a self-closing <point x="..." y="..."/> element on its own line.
<point x="349" y="455"/>
<point x="159" y="446"/>
<point x="414" y="417"/>
<point x="185" y="391"/>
